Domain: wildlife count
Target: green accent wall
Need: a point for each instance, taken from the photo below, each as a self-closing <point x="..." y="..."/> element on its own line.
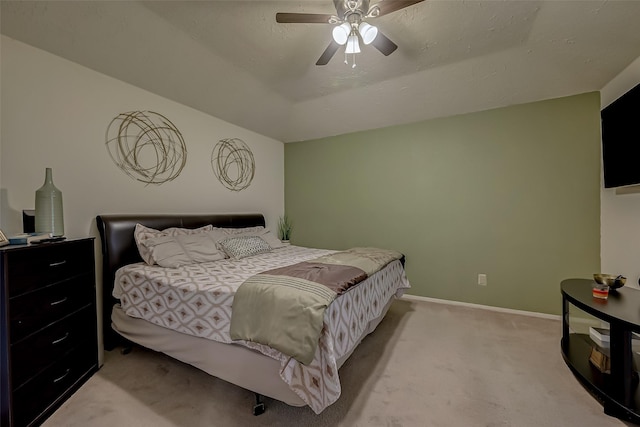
<point x="513" y="193"/>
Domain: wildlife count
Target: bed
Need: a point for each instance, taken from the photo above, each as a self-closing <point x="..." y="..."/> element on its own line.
<point x="257" y="367"/>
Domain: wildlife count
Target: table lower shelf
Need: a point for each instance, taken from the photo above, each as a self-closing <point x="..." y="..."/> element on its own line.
<point x="576" y="355"/>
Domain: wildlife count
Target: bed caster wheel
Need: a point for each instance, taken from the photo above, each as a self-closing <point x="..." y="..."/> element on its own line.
<point x="126" y="350"/>
<point x="258" y="409"/>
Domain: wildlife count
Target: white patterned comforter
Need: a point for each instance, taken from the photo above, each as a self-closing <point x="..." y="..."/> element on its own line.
<point x="197" y="299"/>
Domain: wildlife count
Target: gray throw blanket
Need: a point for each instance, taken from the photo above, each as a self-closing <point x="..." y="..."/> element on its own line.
<point x="284" y="308"/>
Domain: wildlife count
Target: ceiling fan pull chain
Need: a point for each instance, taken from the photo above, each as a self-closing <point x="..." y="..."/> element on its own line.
<point x="346" y="60"/>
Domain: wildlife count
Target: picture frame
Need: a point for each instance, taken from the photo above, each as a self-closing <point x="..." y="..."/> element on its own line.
<point x="3" y="239"/>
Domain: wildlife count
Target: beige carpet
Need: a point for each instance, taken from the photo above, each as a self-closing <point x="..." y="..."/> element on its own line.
<point x="427" y="364"/>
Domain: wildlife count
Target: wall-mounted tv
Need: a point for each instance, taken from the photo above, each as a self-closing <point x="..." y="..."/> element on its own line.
<point x="621" y="140"/>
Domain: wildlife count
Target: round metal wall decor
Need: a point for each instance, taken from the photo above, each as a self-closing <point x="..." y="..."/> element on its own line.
<point x="233" y="164"/>
<point x="146" y="146"/>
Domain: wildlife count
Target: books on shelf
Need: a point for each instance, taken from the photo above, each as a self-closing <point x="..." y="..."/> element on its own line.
<point x="600" y="361"/>
<point x="602" y="336"/>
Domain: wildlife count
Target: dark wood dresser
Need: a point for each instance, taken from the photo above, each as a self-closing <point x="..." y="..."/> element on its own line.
<point x="48" y="327"/>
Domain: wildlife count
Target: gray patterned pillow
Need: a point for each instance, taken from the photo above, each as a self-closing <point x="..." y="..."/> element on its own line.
<point x="259" y="231"/>
<point x="244" y="246"/>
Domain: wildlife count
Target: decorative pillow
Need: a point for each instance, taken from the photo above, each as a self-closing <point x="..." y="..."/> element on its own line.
<point x="176" y="251"/>
<point x="246" y="230"/>
<point x="244" y="246"/>
<point x="141" y="234"/>
<point x="259" y="231"/>
<point x="272" y="240"/>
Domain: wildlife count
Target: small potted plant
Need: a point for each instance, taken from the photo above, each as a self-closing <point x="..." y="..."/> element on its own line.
<point x="284" y="228"/>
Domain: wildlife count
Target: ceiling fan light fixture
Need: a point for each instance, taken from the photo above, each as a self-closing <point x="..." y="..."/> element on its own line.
<point x="368" y="32"/>
<point x="353" y="45"/>
<point x="341" y="33"/>
<point x="349" y="26"/>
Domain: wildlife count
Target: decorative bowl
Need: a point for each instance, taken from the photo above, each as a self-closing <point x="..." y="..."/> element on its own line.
<point x="614" y="281"/>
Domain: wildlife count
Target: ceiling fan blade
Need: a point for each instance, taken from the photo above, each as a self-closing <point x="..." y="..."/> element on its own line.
<point x="384" y="45"/>
<point x="328" y="53"/>
<point x="389" y="6"/>
<point x="302" y="18"/>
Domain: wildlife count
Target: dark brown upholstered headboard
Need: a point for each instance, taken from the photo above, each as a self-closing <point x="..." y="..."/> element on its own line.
<point x="119" y="247"/>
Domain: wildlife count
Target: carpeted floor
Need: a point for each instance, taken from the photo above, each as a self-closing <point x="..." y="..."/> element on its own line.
<point x="427" y="364"/>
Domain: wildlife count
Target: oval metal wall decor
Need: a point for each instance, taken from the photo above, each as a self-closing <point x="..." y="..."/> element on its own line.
<point x="233" y="164"/>
<point x="146" y="146"/>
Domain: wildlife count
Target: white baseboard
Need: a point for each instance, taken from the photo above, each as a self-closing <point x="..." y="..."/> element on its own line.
<point x="483" y="307"/>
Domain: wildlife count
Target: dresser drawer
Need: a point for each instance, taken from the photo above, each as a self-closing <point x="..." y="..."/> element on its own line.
<point x="33" y="398"/>
<point x="34" y="354"/>
<point x="35" y="310"/>
<point x="39" y="266"/>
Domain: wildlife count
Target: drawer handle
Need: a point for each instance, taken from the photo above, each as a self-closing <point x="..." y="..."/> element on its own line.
<point x="63" y="376"/>
<point x="56" y="264"/>
<point x="59" y="301"/>
<point x="60" y="339"/>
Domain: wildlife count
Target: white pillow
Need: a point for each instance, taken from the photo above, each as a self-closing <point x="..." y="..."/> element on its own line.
<point x="272" y="240"/>
<point x="141" y="234"/>
<point x="176" y="251"/>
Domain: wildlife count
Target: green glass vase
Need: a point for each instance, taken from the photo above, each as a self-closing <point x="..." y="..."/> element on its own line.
<point x="49" y="208"/>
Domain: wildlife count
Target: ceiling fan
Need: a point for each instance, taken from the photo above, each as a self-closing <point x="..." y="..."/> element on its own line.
<point x="351" y="26"/>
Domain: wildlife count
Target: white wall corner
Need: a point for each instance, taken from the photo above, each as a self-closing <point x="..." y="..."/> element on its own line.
<point x="620" y="208"/>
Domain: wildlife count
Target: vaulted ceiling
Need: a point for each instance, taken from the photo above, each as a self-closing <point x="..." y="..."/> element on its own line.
<point x="232" y="60"/>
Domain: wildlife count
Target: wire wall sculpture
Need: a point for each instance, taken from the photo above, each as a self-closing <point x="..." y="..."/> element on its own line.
<point x="146" y="146"/>
<point x="232" y="163"/>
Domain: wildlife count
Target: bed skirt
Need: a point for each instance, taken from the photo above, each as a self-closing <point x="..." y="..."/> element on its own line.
<point x="233" y="363"/>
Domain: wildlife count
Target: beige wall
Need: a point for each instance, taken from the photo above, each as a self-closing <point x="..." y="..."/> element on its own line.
<point x="512" y="193"/>
<point x="55" y="114"/>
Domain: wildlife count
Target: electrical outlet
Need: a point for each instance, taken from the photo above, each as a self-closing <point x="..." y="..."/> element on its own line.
<point x="482" y="279"/>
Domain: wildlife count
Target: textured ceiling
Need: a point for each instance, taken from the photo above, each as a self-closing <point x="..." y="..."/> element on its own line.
<point x="232" y="60"/>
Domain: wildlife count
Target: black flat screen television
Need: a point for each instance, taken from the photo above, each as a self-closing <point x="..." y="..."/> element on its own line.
<point x="621" y="140"/>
